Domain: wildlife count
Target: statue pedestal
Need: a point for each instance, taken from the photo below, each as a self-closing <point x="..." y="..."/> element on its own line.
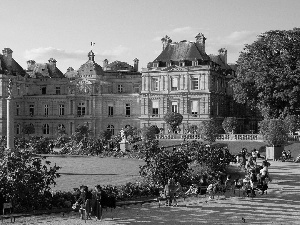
<point x="123" y="145"/>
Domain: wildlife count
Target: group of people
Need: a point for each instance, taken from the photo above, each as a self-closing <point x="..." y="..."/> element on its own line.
<point x="90" y="202"/>
<point x="172" y="190"/>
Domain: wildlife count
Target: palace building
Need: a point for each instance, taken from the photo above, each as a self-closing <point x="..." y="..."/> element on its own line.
<point x="103" y="98"/>
<point x="183" y="79"/>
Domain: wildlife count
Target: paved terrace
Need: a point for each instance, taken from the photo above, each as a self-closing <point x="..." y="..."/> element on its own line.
<point x="280" y="206"/>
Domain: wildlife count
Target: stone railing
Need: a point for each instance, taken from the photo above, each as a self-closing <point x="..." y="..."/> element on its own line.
<point x="223" y="137"/>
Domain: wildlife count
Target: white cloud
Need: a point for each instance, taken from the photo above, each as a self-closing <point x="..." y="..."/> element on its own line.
<point x="234" y="43"/>
<point x="117" y="51"/>
<point x="182" y="30"/>
<point x="43" y="54"/>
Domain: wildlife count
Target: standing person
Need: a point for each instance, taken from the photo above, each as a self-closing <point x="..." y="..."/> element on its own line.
<point x="96" y="202"/>
<point x="84" y="195"/>
<point x="254" y="154"/>
<point x="169" y="191"/>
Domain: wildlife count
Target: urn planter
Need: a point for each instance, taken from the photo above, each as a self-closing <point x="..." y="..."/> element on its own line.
<point x="274" y="152"/>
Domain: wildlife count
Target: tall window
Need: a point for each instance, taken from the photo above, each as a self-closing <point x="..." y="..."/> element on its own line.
<point x="18" y="89"/>
<point x="110" y="109"/>
<point x="81" y="109"/>
<point x="31" y="110"/>
<point x="174" y="83"/>
<point x="46" y="129"/>
<point x="195" y="108"/>
<point x="111" y="128"/>
<point x="194" y="83"/>
<point x="44" y="90"/>
<point x="61" y="109"/>
<point x="175" y="107"/>
<point x="120" y="88"/>
<point x="18" y="129"/>
<point x="57" y="90"/>
<point x="155" y="109"/>
<point x="127" y="109"/>
<point x="46" y="110"/>
<point x="154" y="84"/>
<point x="18" y="109"/>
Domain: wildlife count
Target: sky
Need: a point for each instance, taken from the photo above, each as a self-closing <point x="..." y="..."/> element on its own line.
<point x="127" y="29"/>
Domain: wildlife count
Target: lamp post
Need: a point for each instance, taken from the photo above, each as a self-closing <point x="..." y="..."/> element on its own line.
<point x="10" y="116"/>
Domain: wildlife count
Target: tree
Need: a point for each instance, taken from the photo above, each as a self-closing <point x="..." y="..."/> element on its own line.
<point x="209" y="130"/>
<point x="148" y="133"/>
<point x="81" y="132"/>
<point x="268" y="73"/>
<point x="274" y="131"/>
<point x="173" y="119"/>
<point x="229" y="124"/>
<point x="28" y="129"/>
<point x="291" y="122"/>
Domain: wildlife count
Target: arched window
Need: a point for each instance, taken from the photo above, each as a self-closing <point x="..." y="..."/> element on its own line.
<point x="46" y="129"/>
<point x="18" y="129"/>
<point x="61" y="127"/>
<point x="111" y="128"/>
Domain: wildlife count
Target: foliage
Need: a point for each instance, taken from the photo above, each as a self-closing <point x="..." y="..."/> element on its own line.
<point x="155" y="129"/>
<point x="81" y="132"/>
<point x="105" y="135"/>
<point x="274" y="131"/>
<point x="148" y="133"/>
<point x="268" y="73"/>
<point x="229" y="124"/>
<point x="185" y="163"/>
<point x="28" y="129"/>
<point x="132" y="134"/>
<point x="173" y="120"/>
<point x="209" y="130"/>
<point x="291" y="122"/>
<point x="24" y="178"/>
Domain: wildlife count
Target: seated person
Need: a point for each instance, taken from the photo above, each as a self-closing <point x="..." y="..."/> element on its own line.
<point x="192" y="190"/>
<point x="284" y="155"/>
<point x="289" y="154"/>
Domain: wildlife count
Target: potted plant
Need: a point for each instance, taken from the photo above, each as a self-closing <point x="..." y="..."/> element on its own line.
<point x="275" y="133"/>
<point x="229" y="125"/>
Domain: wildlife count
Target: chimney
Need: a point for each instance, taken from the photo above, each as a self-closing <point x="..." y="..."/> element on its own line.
<point x="165" y="41"/>
<point x="7" y="52"/>
<point x="223" y="54"/>
<point x="201" y="40"/>
<point x="91" y="56"/>
<point x="52" y="63"/>
<point x="136" y="65"/>
<point x="105" y="63"/>
<point x="30" y="65"/>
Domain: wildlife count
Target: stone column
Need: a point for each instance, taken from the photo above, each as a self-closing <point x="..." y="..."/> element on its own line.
<point x="10" y="123"/>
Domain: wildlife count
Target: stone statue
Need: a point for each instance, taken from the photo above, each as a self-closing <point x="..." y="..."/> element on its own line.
<point x="10" y="87"/>
<point x="122" y="132"/>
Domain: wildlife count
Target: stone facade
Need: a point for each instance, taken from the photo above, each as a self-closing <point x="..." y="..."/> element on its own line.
<point x="184" y="79"/>
<point x="45" y="98"/>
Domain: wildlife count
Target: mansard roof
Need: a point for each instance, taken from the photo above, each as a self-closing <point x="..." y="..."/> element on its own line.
<point x="217" y="59"/>
<point x="90" y="69"/>
<point x="183" y="50"/>
<point x="14" y="69"/>
<point x="45" y="70"/>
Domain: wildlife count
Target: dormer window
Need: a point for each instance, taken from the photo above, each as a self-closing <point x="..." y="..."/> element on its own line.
<point x="195" y="62"/>
<point x="181" y="63"/>
<point x="155" y="64"/>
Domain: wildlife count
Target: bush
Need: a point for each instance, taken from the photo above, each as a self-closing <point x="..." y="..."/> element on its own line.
<point x="173" y="120"/>
<point x="25" y="179"/>
<point x="274" y="131"/>
<point x="229" y="124"/>
<point x="209" y="130"/>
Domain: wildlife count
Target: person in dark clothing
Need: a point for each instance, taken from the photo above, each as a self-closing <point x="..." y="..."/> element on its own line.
<point x="96" y="202"/>
<point x="85" y="194"/>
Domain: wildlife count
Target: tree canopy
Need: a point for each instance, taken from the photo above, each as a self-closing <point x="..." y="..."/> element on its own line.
<point x="268" y="73"/>
<point x="173" y="119"/>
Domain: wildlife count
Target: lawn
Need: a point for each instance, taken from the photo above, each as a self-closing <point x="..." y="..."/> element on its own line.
<point x="89" y="170"/>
